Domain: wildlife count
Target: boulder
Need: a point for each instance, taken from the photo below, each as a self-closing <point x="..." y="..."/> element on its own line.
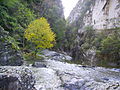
<point x="56" y="56"/>
<point x="38" y="64"/>
<point x="16" y="79"/>
<point x="10" y="82"/>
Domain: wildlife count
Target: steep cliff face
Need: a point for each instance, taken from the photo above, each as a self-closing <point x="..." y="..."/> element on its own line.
<point x="102" y="14"/>
<point x="93" y="20"/>
<point x="82" y="13"/>
<point x="106" y="14"/>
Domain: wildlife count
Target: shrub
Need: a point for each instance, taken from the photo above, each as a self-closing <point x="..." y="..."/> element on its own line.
<point x="108" y="45"/>
<point x="32" y="57"/>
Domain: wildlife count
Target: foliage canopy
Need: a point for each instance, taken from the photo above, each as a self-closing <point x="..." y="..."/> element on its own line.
<point x="40" y="33"/>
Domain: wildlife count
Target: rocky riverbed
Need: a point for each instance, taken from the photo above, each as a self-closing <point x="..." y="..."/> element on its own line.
<point x="63" y="76"/>
<point x="56" y="75"/>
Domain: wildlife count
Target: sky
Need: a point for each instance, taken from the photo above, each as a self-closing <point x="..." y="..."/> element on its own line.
<point x="68" y="6"/>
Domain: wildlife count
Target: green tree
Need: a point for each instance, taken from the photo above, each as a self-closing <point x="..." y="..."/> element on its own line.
<point x="40" y="33"/>
<point x="110" y="47"/>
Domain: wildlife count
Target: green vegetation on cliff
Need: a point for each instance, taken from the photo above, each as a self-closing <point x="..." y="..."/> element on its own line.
<point x="105" y="46"/>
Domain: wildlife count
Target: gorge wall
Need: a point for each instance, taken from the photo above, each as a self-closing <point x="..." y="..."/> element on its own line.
<point x="87" y="20"/>
<point x="102" y="14"/>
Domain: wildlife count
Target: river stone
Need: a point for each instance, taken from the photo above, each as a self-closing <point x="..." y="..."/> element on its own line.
<point x="38" y="64"/>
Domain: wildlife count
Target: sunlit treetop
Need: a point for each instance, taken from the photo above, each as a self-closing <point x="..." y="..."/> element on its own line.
<point x="40" y="33"/>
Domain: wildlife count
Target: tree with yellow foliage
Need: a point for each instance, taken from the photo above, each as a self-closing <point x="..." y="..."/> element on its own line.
<point x="40" y="33"/>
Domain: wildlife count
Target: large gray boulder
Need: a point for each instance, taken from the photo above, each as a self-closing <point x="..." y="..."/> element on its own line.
<point x="56" y="56"/>
<point x="50" y="55"/>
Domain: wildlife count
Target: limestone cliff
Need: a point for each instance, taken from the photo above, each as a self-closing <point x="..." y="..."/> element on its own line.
<point x="102" y="14"/>
<point x="86" y="18"/>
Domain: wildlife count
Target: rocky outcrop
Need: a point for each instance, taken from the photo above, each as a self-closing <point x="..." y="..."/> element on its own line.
<point x="106" y="14"/>
<point x="8" y="55"/>
<point x="55" y="56"/>
<point x="81" y="15"/>
<point x="63" y="76"/>
<point x="16" y="78"/>
<point x="52" y="74"/>
<point x="101" y="14"/>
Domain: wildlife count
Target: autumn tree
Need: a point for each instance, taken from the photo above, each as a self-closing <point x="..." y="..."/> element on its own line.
<point x="40" y="33"/>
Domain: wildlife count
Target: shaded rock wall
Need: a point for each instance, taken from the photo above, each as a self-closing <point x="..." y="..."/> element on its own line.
<point x="42" y="7"/>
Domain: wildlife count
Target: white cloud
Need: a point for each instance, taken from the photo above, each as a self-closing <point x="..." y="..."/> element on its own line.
<point x="68" y="6"/>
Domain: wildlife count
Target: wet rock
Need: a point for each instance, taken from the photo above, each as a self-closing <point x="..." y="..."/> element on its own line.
<point x="46" y="79"/>
<point x="9" y="82"/>
<point x="74" y="85"/>
<point x="106" y="79"/>
<point x="38" y="64"/>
